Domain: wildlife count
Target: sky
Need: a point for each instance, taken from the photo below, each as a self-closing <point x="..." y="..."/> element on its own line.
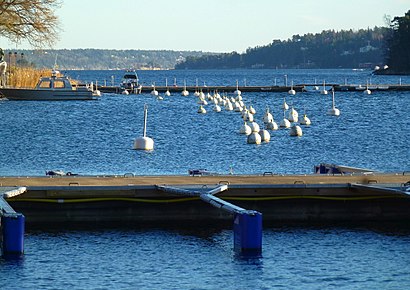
<point x="208" y="25"/>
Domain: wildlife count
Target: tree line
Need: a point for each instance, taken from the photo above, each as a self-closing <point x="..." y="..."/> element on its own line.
<point x="98" y="59"/>
<point x="328" y="49"/>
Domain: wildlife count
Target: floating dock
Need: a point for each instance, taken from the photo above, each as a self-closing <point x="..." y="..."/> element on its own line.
<point x="138" y="200"/>
<point x="273" y="89"/>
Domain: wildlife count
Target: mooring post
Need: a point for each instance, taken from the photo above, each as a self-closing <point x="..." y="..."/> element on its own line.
<point x="248" y="233"/>
<point x="13" y="235"/>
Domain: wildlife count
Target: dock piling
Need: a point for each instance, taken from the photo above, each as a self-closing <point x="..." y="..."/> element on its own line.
<point x="248" y="233"/>
<point x="247" y="227"/>
<point x="12" y="226"/>
<point x="13" y="235"/>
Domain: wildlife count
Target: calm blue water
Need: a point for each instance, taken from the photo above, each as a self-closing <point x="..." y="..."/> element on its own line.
<point x="293" y="258"/>
<point x="96" y="138"/>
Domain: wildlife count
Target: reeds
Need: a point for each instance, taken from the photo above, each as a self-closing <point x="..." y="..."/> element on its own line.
<point x="25" y="77"/>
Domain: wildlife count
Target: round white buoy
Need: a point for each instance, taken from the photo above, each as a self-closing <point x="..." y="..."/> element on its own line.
<point x="125" y="92"/>
<point x="254" y="126"/>
<point x="367" y="91"/>
<point x="252" y="110"/>
<point x="285" y="123"/>
<point x="254" y="138"/>
<point x="267" y="118"/>
<point x="333" y="111"/>
<point x="324" y="91"/>
<point x="201" y="110"/>
<point x="285" y="106"/>
<point x="295" y="130"/>
<point x="217" y="108"/>
<point x="305" y="120"/>
<point x="248" y="116"/>
<point x="228" y="106"/>
<point x="265" y="136"/>
<point x="272" y="126"/>
<point x="144" y="142"/>
<point x="293" y="115"/>
<point x="237" y="107"/>
<point x="245" y="129"/>
<point x="167" y="93"/>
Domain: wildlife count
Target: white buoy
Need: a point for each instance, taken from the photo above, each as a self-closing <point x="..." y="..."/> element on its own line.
<point x="144" y="142"/>
<point x="154" y="92"/>
<point x="167" y="93"/>
<point x="324" y="91"/>
<point x="367" y="91"/>
<point x="267" y="118"/>
<point x="265" y="136"/>
<point x="272" y="126"/>
<point x="201" y="110"/>
<point x="125" y="92"/>
<point x="333" y="111"/>
<point x="295" y="130"/>
<point x="184" y="92"/>
<point x="293" y="115"/>
<point x="285" y="122"/>
<point x="245" y="129"/>
<point x="237" y="107"/>
<point x="254" y="126"/>
<point x="292" y="91"/>
<point x="228" y="106"/>
<point x="237" y="91"/>
<point x="252" y="110"/>
<point x="305" y="120"/>
<point x="217" y="108"/>
<point x="285" y="106"/>
<point x="247" y="116"/>
<point x="254" y="138"/>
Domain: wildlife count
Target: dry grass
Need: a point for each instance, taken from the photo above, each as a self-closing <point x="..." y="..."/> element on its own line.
<point x="26" y="77"/>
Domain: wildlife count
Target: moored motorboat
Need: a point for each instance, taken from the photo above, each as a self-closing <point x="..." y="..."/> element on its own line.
<point x="54" y="88"/>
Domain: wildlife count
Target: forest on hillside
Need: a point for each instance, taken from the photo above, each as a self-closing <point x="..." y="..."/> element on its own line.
<point x="94" y="59"/>
<point x="328" y="49"/>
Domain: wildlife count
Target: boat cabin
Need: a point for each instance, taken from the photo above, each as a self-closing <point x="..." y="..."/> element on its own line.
<point x="54" y="83"/>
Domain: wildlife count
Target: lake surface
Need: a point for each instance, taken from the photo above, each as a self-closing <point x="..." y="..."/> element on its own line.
<point x="293" y="258"/>
<point x="96" y="137"/>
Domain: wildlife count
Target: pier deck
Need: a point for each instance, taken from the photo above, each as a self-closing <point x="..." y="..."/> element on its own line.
<point x="273" y="89"/>
<point x="280" y="198"/>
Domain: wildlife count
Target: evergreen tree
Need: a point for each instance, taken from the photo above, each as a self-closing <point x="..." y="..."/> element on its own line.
<point x="398" y="45"/>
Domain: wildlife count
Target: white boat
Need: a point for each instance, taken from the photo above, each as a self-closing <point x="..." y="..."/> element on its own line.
<point x="130" y="80"/>
<point x="54" y="88"/>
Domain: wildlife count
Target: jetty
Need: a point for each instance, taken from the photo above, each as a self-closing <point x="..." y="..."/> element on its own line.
<point x="305" y="87"/>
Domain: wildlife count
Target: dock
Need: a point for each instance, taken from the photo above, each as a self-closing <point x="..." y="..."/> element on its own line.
<point x="282" y="199"/>
<point x="273" y="89"/>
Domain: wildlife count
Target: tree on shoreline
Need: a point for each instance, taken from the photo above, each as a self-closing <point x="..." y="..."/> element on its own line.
<point x="33" y="21"/>
<point x="398" y="45"/>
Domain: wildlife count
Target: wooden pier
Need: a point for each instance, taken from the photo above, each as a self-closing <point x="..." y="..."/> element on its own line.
<point x="136" y="200"/>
